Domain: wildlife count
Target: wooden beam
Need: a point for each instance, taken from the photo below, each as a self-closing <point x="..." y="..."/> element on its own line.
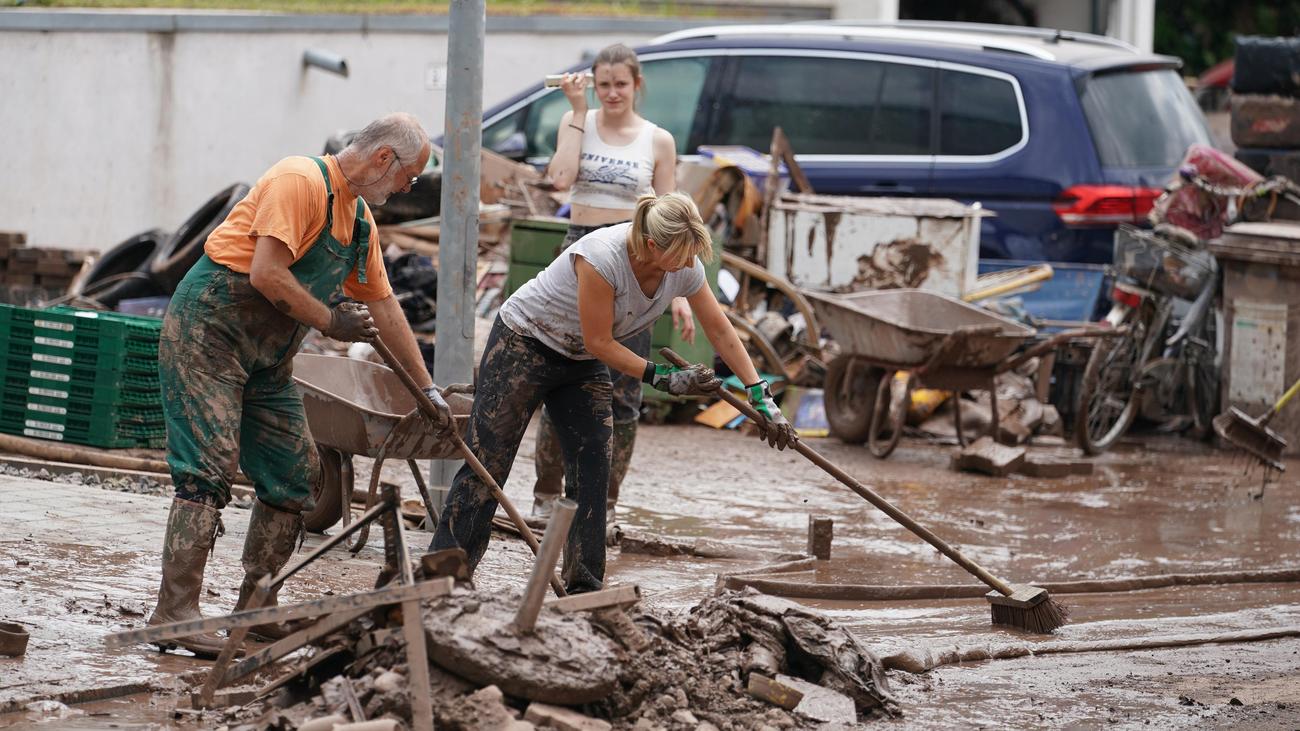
<point x="625" y="595"/>
<point x="293" y="642"/>
<point x="247" y="618"/>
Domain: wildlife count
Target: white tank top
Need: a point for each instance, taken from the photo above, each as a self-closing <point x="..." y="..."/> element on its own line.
<point x="612" y="176"/>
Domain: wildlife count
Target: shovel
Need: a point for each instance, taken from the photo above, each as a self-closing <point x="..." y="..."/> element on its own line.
<point x="1253" y="435"/>
<point x="426" y="406"/>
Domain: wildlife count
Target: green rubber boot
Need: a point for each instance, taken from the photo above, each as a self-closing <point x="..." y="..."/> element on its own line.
<point x="272" y="537"/>
<point x="192" y="529"/>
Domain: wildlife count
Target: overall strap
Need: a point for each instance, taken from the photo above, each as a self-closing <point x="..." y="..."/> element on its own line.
<point x="329" y="193"/>
<point x="361" y="240"/>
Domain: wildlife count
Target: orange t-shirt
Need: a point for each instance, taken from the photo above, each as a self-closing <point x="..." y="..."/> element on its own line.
<point x="288" y="203"/>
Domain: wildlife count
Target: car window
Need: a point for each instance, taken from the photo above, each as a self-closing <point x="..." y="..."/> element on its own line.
<point x="671" y="98"/>
<point x="506" y="135"/>
<point x="830" y="105"/>
<point x="1142" y="118"/>
<point x="978" y="114"/>
<point x="672" y="95"/>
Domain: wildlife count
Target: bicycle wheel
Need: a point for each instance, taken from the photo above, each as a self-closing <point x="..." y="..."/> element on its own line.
<point x="1202" y="373"/>
<point x="1107" y="397"/>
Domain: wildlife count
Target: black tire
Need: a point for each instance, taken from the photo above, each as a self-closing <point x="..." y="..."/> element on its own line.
<point x="850" y="395"/>
<point x="888" y="412"/>
<point x="122" y="272"/>
<point x="1266" y="66"/>
<point x="336" y="471"/>
<point x="1108" y="400"/>
<point x="423" y="201"/>
<point x="184" y="248"/>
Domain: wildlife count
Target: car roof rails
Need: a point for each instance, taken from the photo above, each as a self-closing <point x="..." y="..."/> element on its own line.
<point x="1047" y="35"/>
<point x="991" y="37"/>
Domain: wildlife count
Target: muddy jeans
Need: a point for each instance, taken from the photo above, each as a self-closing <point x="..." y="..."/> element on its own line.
<point x="517" y="374"/>
<point x="549" y="461"/>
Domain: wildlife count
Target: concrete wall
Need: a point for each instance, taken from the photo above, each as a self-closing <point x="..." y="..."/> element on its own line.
<point x="119" y="122"/>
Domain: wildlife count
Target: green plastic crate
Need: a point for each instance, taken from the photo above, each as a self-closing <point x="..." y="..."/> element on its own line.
<point x="57" y="356"/>
<point x="96" y="411"/>
<point x="109" y="433"/>
<point x="84" y="340"/>
<point x="536" y="241"/>
<point x="54" y="375"/>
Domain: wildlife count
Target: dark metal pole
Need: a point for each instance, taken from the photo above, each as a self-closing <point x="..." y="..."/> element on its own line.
<point x="458" y="250"/>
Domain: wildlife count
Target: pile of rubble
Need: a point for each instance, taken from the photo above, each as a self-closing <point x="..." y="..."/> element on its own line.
<point x="740" y="660"/>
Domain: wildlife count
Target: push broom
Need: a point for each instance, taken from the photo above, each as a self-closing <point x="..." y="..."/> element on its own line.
<point x="1016" y="605"/>
<point x="1253" y="435"/>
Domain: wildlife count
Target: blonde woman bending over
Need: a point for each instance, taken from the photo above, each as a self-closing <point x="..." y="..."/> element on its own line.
<point x="556" y="341"/>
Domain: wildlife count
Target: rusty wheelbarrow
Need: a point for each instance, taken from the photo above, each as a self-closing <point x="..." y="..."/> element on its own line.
<point x="939" y="342"/>
<point x="358" y="407"/>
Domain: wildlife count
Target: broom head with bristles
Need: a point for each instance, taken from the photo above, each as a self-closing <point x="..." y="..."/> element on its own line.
<point x="1252" y="436"/>
<point x="1028" y="608"/>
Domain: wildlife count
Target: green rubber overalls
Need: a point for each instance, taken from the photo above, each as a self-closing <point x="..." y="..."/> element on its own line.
<point x="225" y="357"/>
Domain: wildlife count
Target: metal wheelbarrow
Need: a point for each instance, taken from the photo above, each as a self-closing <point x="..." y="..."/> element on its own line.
<point x="940" y="342"/>
<point x="358" y="407"/>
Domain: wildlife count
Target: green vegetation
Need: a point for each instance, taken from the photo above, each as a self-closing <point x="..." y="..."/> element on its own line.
<point x="629" y="8"/>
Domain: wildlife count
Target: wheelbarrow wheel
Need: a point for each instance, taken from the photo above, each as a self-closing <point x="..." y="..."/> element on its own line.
<point x="888" y="413"/>
<point x="336" y="474"/>
<point x="850" y="389"/>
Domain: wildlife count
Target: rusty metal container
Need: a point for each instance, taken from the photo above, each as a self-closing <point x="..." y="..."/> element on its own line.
<point x="1261" y="319"/>
<point x="845" y="243"/>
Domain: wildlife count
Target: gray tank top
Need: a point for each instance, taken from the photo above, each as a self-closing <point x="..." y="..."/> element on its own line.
<point x="546" y="307"/>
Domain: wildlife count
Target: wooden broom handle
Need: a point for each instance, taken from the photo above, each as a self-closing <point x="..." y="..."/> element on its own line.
<point x="865" y="492"/>
<point x="426" y="405"/>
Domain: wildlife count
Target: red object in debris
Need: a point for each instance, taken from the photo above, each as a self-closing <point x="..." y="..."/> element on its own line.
<point x="1104" y="205"/>
<point x="1199" y="211"/>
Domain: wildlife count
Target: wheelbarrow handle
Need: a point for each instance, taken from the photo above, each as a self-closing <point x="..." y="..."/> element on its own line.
<point x="863" y="491"/>
<point x="426" y="406"/>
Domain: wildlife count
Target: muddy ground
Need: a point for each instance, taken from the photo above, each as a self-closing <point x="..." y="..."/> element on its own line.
<point x="80" y="567"/>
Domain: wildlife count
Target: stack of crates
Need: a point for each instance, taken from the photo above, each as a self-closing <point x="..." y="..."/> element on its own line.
<point x="80" y="376"/>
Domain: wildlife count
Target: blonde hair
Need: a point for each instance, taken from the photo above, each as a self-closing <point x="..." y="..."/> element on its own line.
<point x="672" y="222"/>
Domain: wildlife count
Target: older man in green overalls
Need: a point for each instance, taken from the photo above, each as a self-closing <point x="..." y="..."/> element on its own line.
<point x="232" y="329"/>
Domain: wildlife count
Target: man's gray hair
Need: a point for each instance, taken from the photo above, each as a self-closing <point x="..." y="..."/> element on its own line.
<point x="399" y="130"/>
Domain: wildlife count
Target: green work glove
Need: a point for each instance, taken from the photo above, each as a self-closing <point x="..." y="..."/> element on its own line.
<point x="693" y="381"/>
<point x="776" y="430"/>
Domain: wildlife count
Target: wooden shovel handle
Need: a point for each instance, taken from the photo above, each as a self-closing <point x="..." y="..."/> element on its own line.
<point x="425" y="405"/>
<point x="865" y="492"/>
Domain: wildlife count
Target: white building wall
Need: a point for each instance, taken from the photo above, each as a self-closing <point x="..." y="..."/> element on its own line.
<point x="112" y="133"/>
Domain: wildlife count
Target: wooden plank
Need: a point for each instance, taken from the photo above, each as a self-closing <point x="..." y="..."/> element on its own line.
<point x="228" y="651"/>
<point x="248" y="618"/>
<point x="292" y="643"/>
<point x="782" y="143"/>
<point x="625" y="595"/>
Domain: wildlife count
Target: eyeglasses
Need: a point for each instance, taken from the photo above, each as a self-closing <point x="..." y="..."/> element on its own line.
<point x="414" y="179"/>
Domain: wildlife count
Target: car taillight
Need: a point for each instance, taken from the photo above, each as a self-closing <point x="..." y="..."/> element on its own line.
<point x="1130" y="299"/>
<point x="1101" y="205"/>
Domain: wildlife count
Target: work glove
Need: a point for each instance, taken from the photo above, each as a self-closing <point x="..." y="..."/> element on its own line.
<point x="444" y="419"/>
<point x="350" y="322"/>
<point x="693" y="381"/>
<point x="776" y="430"/>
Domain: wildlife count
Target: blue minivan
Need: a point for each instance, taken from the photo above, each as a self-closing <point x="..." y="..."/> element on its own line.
<point x="1063" y="135"/>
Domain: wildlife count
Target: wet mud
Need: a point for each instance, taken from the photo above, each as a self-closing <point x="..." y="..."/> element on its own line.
<point x="1154" y="507"/>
